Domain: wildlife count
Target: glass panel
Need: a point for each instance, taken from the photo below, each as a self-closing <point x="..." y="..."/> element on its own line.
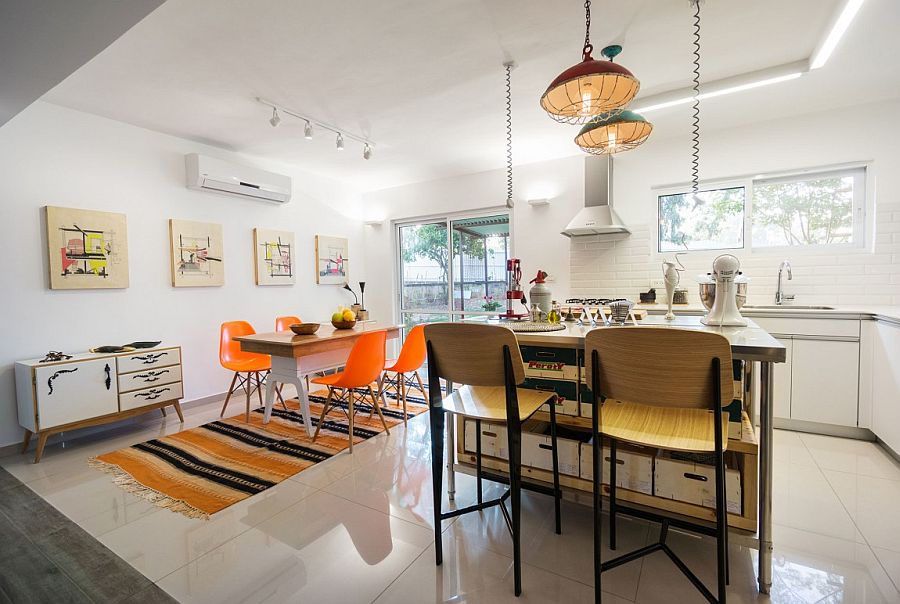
<point x="480" y="250"/>
<point x="424" y="266"/>
<point x="411" y="319"/>
<point x="815" y="211"/>
<point x="711" y="220"/>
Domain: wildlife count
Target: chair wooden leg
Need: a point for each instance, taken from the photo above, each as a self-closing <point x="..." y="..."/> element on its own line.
<point x="421" y="385"/>
<point x="26" y="440"/>
<point x="177" y="405"/>
<point x="404" y="390"/>
<point x="228" y="396"/>
<point x="259" y="388"/>
<point x="350" y="415"/>
<point x="248" y="383"/>
<point x="377" y="408"/>
<point x="281" y="398"/>
<point x="324" y="411"/>
<point x="436" y="422"/>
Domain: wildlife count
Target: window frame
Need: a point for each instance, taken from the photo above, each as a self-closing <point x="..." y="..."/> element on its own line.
<point x="863" y="205"/>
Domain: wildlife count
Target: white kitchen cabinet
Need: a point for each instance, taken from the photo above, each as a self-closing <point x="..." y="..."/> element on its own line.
<point x="782" y="377"/>
<point x="886" y="384"/>
<point x="825" y="381"/>
<point x="70" y="392"/>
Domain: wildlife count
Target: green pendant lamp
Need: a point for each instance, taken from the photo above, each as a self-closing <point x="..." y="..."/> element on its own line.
<point x="612" y="134"/>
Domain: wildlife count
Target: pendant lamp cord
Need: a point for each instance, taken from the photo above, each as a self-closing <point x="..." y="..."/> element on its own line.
<point x="588" y="47"/>
<point x="509" y="163"/>
<point x="695" y="134"/>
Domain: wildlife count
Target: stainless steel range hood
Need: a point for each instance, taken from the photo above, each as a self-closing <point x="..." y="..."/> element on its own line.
<point x="597" y="216"/>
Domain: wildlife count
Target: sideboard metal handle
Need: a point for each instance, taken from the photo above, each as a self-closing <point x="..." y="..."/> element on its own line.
<point x="149" y="359"/>
<point x="56" y="375"/>
<point x="108" y="377"/>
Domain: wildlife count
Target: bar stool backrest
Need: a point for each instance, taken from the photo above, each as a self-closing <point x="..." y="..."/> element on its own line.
<point x="473" y="354"/>
<point x="660" y="366"/>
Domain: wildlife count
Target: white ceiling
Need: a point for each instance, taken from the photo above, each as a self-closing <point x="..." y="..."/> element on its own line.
<point x="424" y="78"/>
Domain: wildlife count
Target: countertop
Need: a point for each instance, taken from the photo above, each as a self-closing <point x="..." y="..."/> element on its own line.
<point x="882" y="313"/>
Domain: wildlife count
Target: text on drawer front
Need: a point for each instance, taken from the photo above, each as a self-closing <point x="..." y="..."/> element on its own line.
<point x="149" y="359"/>
<point x="150" y="376"/>
<point x="56" y="375"/>
<point x="153" y="393"/>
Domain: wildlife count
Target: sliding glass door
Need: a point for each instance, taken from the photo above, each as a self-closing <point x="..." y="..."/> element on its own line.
<point x="452" y="268"/>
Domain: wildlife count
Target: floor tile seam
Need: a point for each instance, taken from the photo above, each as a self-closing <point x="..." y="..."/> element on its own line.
<point x="823" y="468"/>
<point x="399" y="575"/>
<point x="374" y="509"/>
<point x="858" y="530"/>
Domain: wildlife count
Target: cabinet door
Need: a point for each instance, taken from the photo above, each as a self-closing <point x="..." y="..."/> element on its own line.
<point x="886" y="385"/>
<point x="825" y="381"/>
<point x="71" y="392"/>
<point x="782" y="377"/>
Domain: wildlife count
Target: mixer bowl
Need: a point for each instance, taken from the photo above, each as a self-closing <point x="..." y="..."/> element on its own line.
<point x="708" y="294"/>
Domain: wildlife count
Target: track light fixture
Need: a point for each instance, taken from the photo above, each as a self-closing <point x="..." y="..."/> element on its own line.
<point x="279" y="110"/>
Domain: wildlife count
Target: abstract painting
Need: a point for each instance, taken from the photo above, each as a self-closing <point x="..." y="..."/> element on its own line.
<point x="196" y="254"/>
<point x="331" y="260"/>
<point x="87" y="249"/>
<point x="274" y="257"/>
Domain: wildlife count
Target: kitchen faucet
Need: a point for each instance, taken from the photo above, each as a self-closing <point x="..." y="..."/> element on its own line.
<point x="780" y="297"/>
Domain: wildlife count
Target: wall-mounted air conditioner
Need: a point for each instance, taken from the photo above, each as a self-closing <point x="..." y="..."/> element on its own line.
<point x="206" y="173"/>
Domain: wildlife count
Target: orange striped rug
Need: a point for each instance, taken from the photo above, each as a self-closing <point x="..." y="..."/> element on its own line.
<point x="203" y="470"/>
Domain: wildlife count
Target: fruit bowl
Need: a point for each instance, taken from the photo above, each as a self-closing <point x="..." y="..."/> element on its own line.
<point x="304" y="329"/>
<point x="343" y="324"/>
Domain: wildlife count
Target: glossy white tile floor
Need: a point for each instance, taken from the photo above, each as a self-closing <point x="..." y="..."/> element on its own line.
<point x="358" y="529"/>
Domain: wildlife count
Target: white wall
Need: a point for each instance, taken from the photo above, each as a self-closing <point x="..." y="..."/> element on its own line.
<point x="608" y="267"/>
<point x="55" y="156"/>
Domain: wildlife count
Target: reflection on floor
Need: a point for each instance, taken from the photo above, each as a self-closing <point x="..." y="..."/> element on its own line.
<point x="357" y="529"/>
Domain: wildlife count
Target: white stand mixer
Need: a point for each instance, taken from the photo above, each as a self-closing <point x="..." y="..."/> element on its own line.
<point x="724" y="311"/>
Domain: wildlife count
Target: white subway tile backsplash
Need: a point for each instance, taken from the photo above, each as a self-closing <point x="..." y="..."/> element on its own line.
<point x="626" y="266"/>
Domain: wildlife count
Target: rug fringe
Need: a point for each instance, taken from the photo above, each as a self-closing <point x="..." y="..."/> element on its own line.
<point x="128" y="483"/>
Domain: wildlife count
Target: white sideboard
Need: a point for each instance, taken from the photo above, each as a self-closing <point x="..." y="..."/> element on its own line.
<point x="91" y="389"/>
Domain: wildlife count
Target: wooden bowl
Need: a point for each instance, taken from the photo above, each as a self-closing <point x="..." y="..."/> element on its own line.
<point x="343" y="324"/>
<point x="304" y="329"/>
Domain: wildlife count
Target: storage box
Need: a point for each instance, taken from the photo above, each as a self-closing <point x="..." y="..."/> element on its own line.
<point x="634" y="466"/>
<point x="494" y="440"/>
<point x="537" y="449"/>
<point x="553" y="363"/>
<point x="566" y="392"/>
<point x="695" y="483"/>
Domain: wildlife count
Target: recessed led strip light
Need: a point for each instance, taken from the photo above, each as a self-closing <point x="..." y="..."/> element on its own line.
<point x="765" y="77"/>
<point x="368" y="145"/>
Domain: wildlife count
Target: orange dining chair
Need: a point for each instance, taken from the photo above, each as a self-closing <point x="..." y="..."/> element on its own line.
<point x="364" y="366"/>
<point x="412" y="357"/>
<point x="284" y="323"/>
<point x="234" y="359"/>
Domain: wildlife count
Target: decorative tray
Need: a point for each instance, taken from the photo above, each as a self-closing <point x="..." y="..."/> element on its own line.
<point x="531" y="326"/>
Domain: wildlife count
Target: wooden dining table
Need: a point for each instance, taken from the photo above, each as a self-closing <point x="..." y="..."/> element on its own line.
<point x="294" y="357"/>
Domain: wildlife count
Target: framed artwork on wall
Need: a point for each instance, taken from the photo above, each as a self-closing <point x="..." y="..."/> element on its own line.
<point x="331" y="260"/>
<point x="197" y="254"/>
<point x="88" y="249"/>
<point x="273" y="255"/>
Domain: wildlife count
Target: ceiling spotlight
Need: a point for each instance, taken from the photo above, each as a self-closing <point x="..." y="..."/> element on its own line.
<point x="307" y="131"/>
<point x="275" y="119"/>
<point x="340" y="142"/>
<point x="367" y="151"/>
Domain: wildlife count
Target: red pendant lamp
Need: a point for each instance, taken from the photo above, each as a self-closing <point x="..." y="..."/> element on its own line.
<point x="591" y="88"/>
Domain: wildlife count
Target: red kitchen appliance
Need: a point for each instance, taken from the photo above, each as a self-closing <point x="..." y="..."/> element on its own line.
<point x="514" y="290"/>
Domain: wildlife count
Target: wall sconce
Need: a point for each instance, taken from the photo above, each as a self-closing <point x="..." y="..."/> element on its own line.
<point x="538" y="202"/>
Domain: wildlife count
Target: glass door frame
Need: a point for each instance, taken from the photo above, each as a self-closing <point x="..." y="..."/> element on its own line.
<point x="447" y="218"/>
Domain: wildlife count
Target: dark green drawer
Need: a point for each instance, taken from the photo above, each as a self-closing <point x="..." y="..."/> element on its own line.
<point x="563" y="388"/>
<point x="567" y="356"/>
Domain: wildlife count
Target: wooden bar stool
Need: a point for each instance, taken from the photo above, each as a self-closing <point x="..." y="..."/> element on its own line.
<point x="665" y="388"/>
<point x="486" y="361"/>
<point x="364" y="366"/>
<point x="247" y="366"/>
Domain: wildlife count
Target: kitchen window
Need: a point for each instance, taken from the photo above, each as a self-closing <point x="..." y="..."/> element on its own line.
<point x="813" y="209"/>
<point x="452" y="268"/>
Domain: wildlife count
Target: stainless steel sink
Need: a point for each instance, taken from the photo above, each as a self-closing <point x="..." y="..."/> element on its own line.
<point x="787" y="307"/>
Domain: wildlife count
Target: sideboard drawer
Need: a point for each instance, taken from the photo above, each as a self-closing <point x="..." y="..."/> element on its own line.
<point x="149" y="396"/>
<point x="140" y="360"/>
<point x="157" y="376"/>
